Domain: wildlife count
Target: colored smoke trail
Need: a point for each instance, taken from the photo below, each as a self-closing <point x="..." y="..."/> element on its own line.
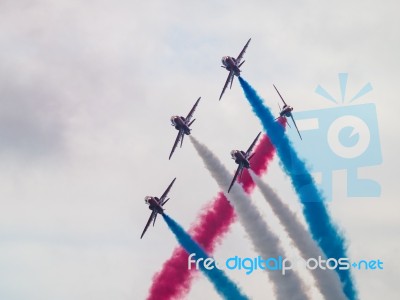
<point x="174" y="279"/>
<point x="316" y="214"/>
<point x="264" y="241"/>
<point x="327" y="280"/>
<point x="224" y="286"/>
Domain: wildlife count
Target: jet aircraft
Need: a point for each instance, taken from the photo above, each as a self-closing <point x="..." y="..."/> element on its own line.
<point x="242" y="159"/>
<point x="156" y="206"/>
<point x="286" y="111"/>
<point x="182" y="124"/>
<point x="233" y="66"/>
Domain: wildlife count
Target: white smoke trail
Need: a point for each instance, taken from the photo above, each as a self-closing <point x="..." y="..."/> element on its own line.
<point x="265" y="242"/>
<point x="327" y="281"/>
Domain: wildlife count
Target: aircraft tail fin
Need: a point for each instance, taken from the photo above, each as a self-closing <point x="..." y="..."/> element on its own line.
<point x="241" y="64"/>
<point x="165" y="201"/>
<point x="155" y="218"/>
<point x="241" y="172"/>
<point x="191" y="122"/>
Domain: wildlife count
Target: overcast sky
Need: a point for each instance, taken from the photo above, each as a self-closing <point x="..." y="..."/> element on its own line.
<point x="86" y="92"/>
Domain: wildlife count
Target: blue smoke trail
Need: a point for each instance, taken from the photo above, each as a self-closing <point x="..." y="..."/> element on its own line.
<point x="321" y="226"/>
<point x="224" y="286"/>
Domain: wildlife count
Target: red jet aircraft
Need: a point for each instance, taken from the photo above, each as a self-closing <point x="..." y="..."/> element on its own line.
<point x="286" y="112"/>
<point x="233" y="66"/>
<point x="156" y="206"/>
<point x="183" y="125"/>
<point x="242" y="159"/>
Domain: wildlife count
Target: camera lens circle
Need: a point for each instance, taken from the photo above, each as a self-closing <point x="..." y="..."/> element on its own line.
<point x="358" y="127"/>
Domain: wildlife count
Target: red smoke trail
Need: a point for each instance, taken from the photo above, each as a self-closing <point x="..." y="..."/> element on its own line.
<point x="174" y="279"/>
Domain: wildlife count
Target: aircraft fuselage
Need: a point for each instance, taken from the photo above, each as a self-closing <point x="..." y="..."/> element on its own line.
<point x="180" y="123"/>
<point x="286" y="111"/>
<point x="231" y="65"/>
<point x="240" y="158"/>
<point x="154" y="204"/>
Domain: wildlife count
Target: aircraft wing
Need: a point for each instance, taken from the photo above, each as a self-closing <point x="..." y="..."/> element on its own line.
<point x="179" y="136"/>
<point x="153" y="214"/>
<point x="248" y="152"/>
<point x="190" y="114"/>
<point x="295" y="125"/>
<point x="164" y="195"/>
<point x="230" y="77"/>
<point x="240" y="56"/>
<point x="279" y="95"/>
<point x="240" y="167"/>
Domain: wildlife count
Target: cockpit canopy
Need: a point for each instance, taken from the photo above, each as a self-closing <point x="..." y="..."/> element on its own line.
<point x="233" y="152"/>
<point x="173" y="119"/>
<point x="224" y="60"/>
<point x="146" y="199"/>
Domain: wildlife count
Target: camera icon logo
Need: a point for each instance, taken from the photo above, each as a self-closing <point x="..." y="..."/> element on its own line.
<point x="339" y="136"/>
<point x="344" y="137"/>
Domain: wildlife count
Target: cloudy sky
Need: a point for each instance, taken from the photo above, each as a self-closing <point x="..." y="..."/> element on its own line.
<point x="86" y="92"/>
